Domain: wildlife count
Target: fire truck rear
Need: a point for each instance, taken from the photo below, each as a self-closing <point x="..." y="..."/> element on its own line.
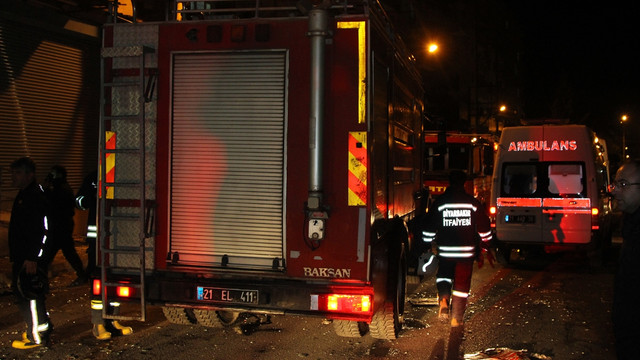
<point x="256" y="161"/>
<point x="471" y="153"/>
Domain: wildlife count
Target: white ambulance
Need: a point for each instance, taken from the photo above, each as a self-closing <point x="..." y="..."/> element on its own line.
<point x="550" y="190"/>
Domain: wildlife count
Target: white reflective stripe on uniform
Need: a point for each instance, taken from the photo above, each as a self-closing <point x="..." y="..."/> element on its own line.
<point x="457" y="248"/>
<point x="428" y="236"/>
<point x="96" y="304"/>
<point x="460" y="293"/>
<point x="486" y="236"/>
<point x="92" y="231"/>
<point x="457" y="255"/>
<point x="444" y="280"/>
<point x="34" y="322"/>
<point x="457" y="206"/>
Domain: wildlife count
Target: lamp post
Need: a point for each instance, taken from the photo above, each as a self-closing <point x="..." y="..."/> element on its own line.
<point x="623" y="120"/>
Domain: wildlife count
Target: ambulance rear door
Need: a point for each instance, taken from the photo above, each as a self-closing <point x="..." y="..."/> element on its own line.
<point x="519" y="216"/>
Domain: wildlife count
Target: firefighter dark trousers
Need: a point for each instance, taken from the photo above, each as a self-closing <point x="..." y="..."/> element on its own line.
<point x="33" y="312"/>
<point x="453" y="281"/>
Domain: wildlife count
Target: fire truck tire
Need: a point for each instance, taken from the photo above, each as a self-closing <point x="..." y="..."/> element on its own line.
<point x="353" y="329"/>
<point x="178" y="315"/>
<point x="387" y="321"/>
<point x="215" y="319"/>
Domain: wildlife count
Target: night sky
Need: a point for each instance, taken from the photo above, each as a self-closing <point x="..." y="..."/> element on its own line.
<point x="583" y="59"/>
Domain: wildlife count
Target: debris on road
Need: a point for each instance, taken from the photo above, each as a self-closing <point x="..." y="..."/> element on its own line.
<point x="505" y="354"/>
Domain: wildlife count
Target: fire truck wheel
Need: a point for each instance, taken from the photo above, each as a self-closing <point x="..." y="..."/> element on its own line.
<point x="215" y="319"/>
<point x="178" y="315"/>
<point x="346" y="328"/>
<point x="387" y="321"/>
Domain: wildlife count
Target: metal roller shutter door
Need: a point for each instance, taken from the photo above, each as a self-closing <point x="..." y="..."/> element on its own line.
<point x="48" y="102"/>
<point x="228" y="140"/>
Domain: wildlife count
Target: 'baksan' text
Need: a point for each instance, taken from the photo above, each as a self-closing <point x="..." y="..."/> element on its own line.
<point x="327" y="272"/>
<point x="555" y="145"/>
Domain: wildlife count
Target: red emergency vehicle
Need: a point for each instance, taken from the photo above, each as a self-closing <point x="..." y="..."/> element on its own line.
<point x="259" y="158"/>
<point x="471" y="153"/>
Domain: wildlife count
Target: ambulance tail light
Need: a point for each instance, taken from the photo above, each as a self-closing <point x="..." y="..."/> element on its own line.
<point x="357" y="304"/>
<point x="492" y="215"/>
<point x="595" y="224"/>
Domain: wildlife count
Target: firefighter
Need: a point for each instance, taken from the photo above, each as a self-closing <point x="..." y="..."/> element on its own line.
<point x="61" y="202"/>
<point x="86" y="199"/>
<point x="27" y="241"/>
<point x="458" y="227"/>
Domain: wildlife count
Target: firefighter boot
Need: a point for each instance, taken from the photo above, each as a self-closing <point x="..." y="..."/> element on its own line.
<point x="24" y="344"/>
<point x="100" y="332"/>
<point x="125" y="330"/>
<point x="456" y="322"/>
<point x="443" y="313"/>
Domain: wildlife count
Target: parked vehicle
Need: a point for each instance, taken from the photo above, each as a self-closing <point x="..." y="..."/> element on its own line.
<point x="259" y="160"/>
<point x="550" y="190"/>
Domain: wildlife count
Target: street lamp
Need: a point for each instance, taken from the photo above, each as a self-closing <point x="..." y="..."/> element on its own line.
<point x="432" y="48"/>
<point x="623" y="120"/>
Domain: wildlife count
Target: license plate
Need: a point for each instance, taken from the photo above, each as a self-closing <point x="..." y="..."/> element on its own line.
<point x="242" y="296"/>
<point x="520" y="219"/>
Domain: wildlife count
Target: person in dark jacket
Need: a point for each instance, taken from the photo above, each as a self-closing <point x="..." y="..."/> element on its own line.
<point x="62" y="204"/>
<point x="626" y="313"/>
<point x="460" y="228"/>
<point x="86" y="199"/>
<point x="27" y="241"/>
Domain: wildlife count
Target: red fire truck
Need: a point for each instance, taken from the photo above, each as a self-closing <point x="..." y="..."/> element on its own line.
<point x="471" y="153"/>
<point x="259" y="158"/>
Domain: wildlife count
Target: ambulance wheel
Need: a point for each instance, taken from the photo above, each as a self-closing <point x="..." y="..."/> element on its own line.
<point x="215" y="319"/>
<point x="178" y="315"/>
<point x="387" y="321"/>
<point x="503" y="254"/>
<point x="353" y="329"/>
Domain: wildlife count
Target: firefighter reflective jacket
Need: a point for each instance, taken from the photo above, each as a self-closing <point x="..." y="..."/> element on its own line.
<point x="457" y="222"/>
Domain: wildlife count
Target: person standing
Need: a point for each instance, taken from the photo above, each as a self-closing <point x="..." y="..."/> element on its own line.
<point x="27" y="239"/>
<point x="86" y="199"/>
<point x="460" y="228"/>
<point x="62" y="203"/>
<point x="626" y="313"/>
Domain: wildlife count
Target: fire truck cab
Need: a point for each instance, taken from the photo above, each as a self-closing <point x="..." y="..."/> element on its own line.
<point x="550" y="190"/>
<point x="259" y="158"/>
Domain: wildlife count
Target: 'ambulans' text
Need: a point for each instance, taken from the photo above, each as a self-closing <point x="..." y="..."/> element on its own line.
<point x="555" y="145"/>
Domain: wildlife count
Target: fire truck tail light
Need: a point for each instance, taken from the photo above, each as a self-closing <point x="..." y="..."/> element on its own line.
<point x="96" y="286"/>
<point x="341" y="303"/>
<point x="594" y="211"/>
<point x="123" y="291"/>
<point x="492" y="210"/>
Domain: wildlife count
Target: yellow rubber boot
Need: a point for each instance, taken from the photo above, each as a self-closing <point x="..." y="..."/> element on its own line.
<point x="24" y="344"/>
<point x="126" y="330"/>
<point x="100" y="332"/>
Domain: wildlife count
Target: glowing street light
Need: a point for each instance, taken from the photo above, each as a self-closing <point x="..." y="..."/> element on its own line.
<point x="432" y="48"/>
<point x="623" y="120"/>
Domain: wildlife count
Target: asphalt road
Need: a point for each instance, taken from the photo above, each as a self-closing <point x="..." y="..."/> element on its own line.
<point x="552" y="306"/>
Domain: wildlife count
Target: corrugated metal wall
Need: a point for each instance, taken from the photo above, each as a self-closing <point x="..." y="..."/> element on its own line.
<point x="49" y="97"/>
<point x="227" y="194"/>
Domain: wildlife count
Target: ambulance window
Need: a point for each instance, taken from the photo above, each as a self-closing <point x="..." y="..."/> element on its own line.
<point x="519" y="180"/>
<point x="565" y="179"/>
